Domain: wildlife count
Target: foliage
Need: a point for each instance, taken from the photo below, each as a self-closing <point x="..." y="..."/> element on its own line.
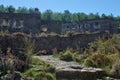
<point x="40" y="70"/>
<point x="66" y="16"/>
<point x="5" y="65"/>
<point x="116" y="69"/>
<point x="3" y="33"/>
<point x="104" y="53"/>
<point x="79" y="57"/>
<point x="44" y="76"/>
<point x="22" y="10"/>
<point x="109" y="46"/>
<point x="47" y="15"/>
<point x="29" y="48"/>
<point x="11" y="9"/>
<point x="9" y="63"/>
<point x="67" y="56"/>
<point x="97" y="60"/>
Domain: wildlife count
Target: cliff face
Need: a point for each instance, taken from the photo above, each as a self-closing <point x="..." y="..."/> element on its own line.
<point x="16" y="43"/>
<point x="17" y="22"/>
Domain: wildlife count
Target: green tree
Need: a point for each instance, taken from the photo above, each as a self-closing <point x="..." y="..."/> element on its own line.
<point x="111" y="16"/>
<point x="91" y="16"/>
<point x="103" y="16"/>
<point x="57" y="16"/>
<point x="31" y="10"/>
<point x="47" y="15"/>
<point x="82" y="16"/>
<point x="97" y="16"/>
<point x="2" y="8"/>
<point x="66" y="16"/>
<point x="74" y="18"/>
<point x="22" y="10"/>
<point x="11" y="9"/>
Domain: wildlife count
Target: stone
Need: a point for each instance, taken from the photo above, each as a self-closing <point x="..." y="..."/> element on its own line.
<point x="76" y="66"/>
<point x="73" y="70"/>
<point x="100" y="72"/>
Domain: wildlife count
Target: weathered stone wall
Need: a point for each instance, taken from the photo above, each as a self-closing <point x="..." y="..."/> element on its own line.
<point x="49" y="43"/>
<point x="91" y="26"/>
<point x="53" y="26"/>
<point x="61" y="43"/>
<point x="17" y="22"/>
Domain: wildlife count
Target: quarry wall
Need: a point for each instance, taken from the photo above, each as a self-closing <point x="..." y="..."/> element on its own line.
<point x="16" y="43"/>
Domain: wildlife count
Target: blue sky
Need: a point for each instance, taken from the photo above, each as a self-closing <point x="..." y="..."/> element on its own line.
<point x="86" y="6"/>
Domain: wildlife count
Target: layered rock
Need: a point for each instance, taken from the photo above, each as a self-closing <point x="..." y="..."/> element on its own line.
<point x="73" y="70"/>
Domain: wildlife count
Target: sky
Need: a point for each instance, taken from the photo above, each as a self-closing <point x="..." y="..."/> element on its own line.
<point x="74" y="6"/>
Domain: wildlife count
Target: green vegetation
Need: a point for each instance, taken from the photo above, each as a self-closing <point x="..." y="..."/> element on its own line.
<point x="67" y="56"/>
<point x="44" y="76"/>
<point x="66" y="16"/>
<point x="116" y="68"/>
<point x="102" y="53"/>
<point x="105" y="54"/>
<point x="97" y="60"/>
<point x="10" y="62"/>
<point x="3" y="33"/>
<point x="40" y="70"/>
<point x="70" y="55"/>
<point x="29" y="48"/>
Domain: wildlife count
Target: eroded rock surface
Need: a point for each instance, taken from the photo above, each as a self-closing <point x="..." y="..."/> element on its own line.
<point x="72" y="69"/>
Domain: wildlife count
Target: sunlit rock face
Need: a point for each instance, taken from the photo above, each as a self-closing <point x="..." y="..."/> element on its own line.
<point x="72" y="70"/>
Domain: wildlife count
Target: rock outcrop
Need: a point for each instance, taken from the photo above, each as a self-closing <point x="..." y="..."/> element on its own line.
<point x="73" y="70"/>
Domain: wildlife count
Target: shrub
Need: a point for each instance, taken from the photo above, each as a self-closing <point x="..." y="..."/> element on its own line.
<point x="3" y="33"/>
<point x="44" y="76"/>
<point x="36" y="61"/>
<point x="29" y="49"/>
<point x="109" y="46"/>
<point x="67" y="56"/>
<point x="79" y="57"/>
<point x="116" y="69"/>
<point x="6" y="64"/>
<point x="40" y="70"/>
<point x="113" y="57"/>
<point x="97" y="60"/>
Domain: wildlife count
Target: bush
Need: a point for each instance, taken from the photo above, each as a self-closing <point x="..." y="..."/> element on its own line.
<point x="67" y="56"/>
<point x="71" y="55"/>
<point x="40" y="70"/>
<point x="44" y="76"/>
<point x="113" y="57"/>
<point x="109" y="46"/>
<point x="6" y="64"/>
<point x="36" y="61"/>
<point x="29" y="49"/>
<point x="79" y="57"/>
<point x="97" y="60"/>
<point x="3" y="33"/>
<point x="116" y="69"/>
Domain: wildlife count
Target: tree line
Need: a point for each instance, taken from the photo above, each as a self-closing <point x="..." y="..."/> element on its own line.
<point x="65" y="16"/>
